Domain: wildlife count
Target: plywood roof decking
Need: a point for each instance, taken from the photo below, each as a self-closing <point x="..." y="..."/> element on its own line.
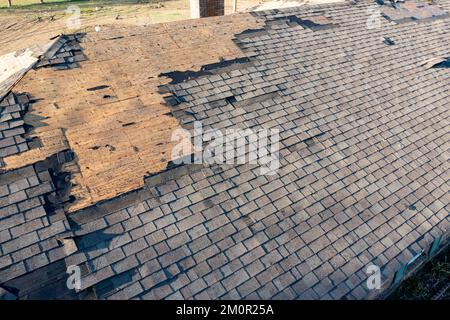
<point x="122" y="132"/>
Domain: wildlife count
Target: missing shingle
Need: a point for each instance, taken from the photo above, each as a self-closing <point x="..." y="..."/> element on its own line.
<point x="388" y="41"/>
<point x="231" y="99"/>
<point x="226" y="65"/>
<point x="97" y="88"/>
<point x="173" y="171"/>
<point x="277" y="22"/>
<point x="65" y="53"/>
<point x="115" y="38"/>
<point x="209" y="69"/>
<point x="128" y="124"/>
<point x="69" y="245"/>
<point x="183" y="76"/>
<point x="250" y="33"/>
<point x="437" y="62"/>
<point x="257" y="99"/>
<point x="309" y="142"/>
<point x="443" y="64"/>
<point x="408" y="11"/>
<point x="313" y="23"/>
<point x="312" y="141"/>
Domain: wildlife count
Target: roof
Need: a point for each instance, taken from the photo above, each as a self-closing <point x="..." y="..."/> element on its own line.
<point x="109" y="111"/>
<point x="363" y="175"/>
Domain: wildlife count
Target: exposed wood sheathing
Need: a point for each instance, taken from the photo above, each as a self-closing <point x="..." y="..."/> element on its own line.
<point x="121" y="131"/>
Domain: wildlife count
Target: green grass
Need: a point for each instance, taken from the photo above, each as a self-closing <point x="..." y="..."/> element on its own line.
<point x="63" y="4"/>
<point x="428" y="281"/>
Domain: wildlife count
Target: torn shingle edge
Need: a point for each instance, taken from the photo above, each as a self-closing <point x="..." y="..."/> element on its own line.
<point x="64" y="54"/>
<point x="209" y="69"/>
<point x="13" y="129"/>
<point x="33" y="221"/>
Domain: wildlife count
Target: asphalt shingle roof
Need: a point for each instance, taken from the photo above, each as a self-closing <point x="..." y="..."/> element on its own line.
<point x="12" y="126"/>
<point x="31" y="223"/>
<point x="363" y="175"/>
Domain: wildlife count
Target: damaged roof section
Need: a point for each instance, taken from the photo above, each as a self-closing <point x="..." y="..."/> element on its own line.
<point x="12" y="126"/>
<point x="317" y="22"/>
<point x="32" y="218"/>
<point x="347" y="135"/>
<point x="65" y="53"/>
<point x="110" y="111"/>
<point x="14" y="65"/>
<point x="437" y="62"/>
<point x="213" y="68"/>
<point x="412" y="10"/>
